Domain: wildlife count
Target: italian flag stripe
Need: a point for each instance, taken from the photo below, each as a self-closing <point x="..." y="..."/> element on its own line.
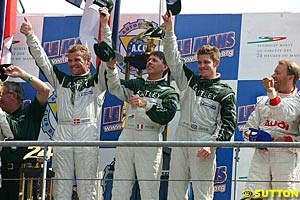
<point x="140" y="126"/>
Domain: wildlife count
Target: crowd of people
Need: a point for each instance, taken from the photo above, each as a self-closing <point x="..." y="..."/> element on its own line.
<point x="208" y="113"/>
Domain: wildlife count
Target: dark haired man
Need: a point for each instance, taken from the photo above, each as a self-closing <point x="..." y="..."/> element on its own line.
<point x="151" y="105"/>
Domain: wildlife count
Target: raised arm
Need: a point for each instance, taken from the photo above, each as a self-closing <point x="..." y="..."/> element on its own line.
<point x="38" y="53"/>
<point x="177" y="66"/>
<point x="41" y="88"/>
<point x="104" y="19"/>
<point x="114" y="83"/>
<point x="288" y="106"/>
<point x="105" y="36"/>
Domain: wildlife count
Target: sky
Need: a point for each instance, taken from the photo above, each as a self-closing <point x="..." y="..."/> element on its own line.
<point x="152" y="6"/>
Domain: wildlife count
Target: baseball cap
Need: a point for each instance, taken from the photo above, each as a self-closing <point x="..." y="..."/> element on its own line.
<point x="3" y="76"/>
<point x="106" y="53"/>
<point x="174" y="6"/>
<point x="102" y="3"/>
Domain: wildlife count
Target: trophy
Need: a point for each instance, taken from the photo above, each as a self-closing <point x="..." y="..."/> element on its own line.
<point x="157" y="34"/>
<point x="139" y="61"/>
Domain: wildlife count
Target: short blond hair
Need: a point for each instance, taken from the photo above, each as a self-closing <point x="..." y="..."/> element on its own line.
<point x="83" y="49"/>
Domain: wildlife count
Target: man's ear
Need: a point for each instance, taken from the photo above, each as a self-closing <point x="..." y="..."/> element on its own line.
<point x="88" y="61"/>
<point x="166" y="67"/>
<point x="216" y="63"/>
<point x="15" y="95"/>
<point x="165" y="70"/>
<point x="291" y="77"/>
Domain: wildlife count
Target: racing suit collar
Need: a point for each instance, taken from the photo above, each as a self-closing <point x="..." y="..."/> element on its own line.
<point x="209" y="81"/>
<point x="287" y="94"/>
<point x="157" y="81"/>
<point x="294" y="90"/>
<point x="86" y="75"/>
<point x="16" y="112"/>
<point x="82" y="75"/>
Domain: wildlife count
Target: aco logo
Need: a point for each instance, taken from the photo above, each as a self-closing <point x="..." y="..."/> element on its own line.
<point x="49" y="120"/>
<point x="247" y="193"/>
<point x="130" y="43"/>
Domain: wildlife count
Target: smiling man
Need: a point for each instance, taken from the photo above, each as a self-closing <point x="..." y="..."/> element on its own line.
<point x="207" y="114"/>
<point x="279" y="116"/>
<point x="152" y="104"/>
<point x="79" y="100"/>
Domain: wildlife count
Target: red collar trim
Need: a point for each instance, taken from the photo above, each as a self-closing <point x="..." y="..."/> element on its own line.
<point x="287" y="92"/>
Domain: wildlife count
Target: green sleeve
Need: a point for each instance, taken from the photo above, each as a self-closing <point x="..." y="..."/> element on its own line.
<point x="228" y="118"/>
<point x="164" y="113"/>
